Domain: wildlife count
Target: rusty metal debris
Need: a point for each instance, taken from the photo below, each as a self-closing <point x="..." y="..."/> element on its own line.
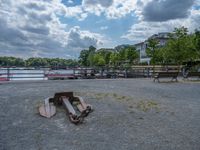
<point x="77" y="108"/>
<point x="48" y="109"/>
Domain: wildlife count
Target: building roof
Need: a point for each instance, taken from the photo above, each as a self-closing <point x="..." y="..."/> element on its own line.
<point x="161" y="35"/>
<point x="137" y="44"/>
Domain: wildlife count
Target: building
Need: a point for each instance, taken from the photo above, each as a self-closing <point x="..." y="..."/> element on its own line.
<point x="162" y="39"/>
<point x="141" y="48"/>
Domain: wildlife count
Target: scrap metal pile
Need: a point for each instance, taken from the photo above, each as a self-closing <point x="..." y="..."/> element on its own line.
<point x="76" y="107"/>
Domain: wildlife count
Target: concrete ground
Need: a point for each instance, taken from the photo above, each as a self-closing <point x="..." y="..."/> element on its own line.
<point x="129" y="114"/>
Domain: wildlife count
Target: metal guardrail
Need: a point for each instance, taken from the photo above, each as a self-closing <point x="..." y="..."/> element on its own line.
<point x="18" y="73"/>
<point x="101" y="72"/>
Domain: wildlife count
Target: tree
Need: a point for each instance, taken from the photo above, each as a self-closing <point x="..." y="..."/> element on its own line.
<point x="12" y="61"/>
<point x="114" y="58"/>
<point x="180" y="47"/>
<point x="86" y="57"/>
<point x="122" y="54"/>
<point x="83" y="58"/>
<point x="91" y="59"/>
<point x="99" y="60"/>
<point x="197" y="42"/>
<point x="105" y="53"/>
<point x="131" y="54"/>
<point x="36" y="62"/>
<point x="152" y="50"/>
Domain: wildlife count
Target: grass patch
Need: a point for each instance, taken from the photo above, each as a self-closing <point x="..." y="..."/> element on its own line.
<point x="100" y="96"/>
<point x="147" y="105"/>
<point x="191" y="80"/>
<point x="120" y="97"/>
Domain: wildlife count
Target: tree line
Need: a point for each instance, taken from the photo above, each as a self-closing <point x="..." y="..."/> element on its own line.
<point x="126" y="54"/>
<point x="37" y="62"/>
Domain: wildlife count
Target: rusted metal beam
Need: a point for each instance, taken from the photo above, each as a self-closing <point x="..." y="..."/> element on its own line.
<point x="47" y="109"/>
<point x="74" y="118"/>
<point x="82" y="106"/>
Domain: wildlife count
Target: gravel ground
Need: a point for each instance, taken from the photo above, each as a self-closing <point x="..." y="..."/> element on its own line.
<point x="129" y="114"/>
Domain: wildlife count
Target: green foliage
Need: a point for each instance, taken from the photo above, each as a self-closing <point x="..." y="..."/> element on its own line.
<point x="152" y="50"/>
<point x="83" y="58"/>
<point x="114" y="58"/>
<point x="180" y="47"/>
<point x="125" y="55"/>
<point x="34" y="62"/>
<point x="86" y="57"/>
<point x="90" y="59"/>
<point x="37" y="62"/>
<point x="197" y="42"/>
<point x="106" y="57"/>
<point x="99" y="60"/>
<point x="131" y="54"/>
<point x="11" y="61"/>
<point x="105" y="53"/>
<point x="122" y="54"/>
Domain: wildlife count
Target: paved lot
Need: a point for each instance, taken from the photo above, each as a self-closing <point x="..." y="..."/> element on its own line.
<point x="129" y="114"/>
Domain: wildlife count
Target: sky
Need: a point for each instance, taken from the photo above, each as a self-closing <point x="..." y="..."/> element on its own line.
<point x="62" y="28"/>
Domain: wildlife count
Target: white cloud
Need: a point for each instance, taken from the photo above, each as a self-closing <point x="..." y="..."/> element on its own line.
<point x="83" y="39"/>
<point x="114" y="9"/>
<point x="70" y="1"/>
<point x="103" y="3"/>
<point x="104" y="27"/>
<point x="34" y="29"/>
<point x="156" y="10"/>
<point x="143" y="29"/>
<point x="120" y="8"/>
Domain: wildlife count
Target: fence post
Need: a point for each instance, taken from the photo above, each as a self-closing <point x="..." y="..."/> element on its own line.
<point x="74" y="72"/>
<point x="125" y="72"/>
<point x="8" y="73"/>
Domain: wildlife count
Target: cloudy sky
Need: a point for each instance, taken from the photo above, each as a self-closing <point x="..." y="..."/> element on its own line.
<point x="61" y="28"/>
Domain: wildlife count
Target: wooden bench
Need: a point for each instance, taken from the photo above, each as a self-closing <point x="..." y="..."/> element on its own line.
<point x="172" y="75"/>
<point x="192" y="74"/>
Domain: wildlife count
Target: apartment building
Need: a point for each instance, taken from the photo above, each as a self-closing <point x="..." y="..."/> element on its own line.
<point x="162" y="39"/>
